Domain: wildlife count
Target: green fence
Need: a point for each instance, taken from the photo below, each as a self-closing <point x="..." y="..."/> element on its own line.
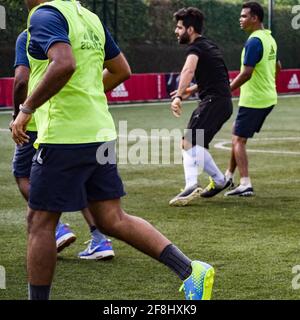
<point x="145" y="31"/>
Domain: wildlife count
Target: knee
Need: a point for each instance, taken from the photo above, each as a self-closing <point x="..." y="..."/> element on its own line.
<point x="238" y="141"/>
<point x="41" y="222"/>
<point x="110" y="223"/>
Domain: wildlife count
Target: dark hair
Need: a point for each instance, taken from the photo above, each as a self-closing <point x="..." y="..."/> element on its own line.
<point x="255" y="9"/>
<point x="191" y="17"/>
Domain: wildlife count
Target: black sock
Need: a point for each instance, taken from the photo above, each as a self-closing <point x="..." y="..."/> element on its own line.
<point x="39" y="292"/>
<point x="173" y="258"/>
<point x="92" y="229"/>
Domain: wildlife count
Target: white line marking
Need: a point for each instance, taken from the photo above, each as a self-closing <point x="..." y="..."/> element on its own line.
<point x="164" y="102"/>
<point x="222" y="146"/>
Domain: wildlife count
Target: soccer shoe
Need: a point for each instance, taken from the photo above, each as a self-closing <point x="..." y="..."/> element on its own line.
<point x="232" y="185"/>
<point x="186" y="196"/>
<point x="241" y="191"/>
<point x="98" y="251"/>
<point x="64" y="237"/>
<point x="212" y="189"/>
<point x="200" y="283"/>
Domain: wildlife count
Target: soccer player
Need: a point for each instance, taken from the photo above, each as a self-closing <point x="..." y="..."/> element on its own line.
<point x="68" y="172"/>
<point x="99" y="246"/>
<point x="204" y="61"/>
<point x="257" y="81"/>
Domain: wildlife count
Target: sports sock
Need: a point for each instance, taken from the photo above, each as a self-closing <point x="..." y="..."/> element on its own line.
<point x="178" y="262"/>
<point x="190" y="170"/>
<point x="245" y="181"/>
<point x="206" y="161"/>
<point x="97" y="236"/>
<point x="229" y="175"/>
<point x="59" y="224"/>
<point x="38" y="292"/>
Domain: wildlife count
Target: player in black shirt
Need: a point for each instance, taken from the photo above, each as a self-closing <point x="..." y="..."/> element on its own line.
<point x="204" y="61"/>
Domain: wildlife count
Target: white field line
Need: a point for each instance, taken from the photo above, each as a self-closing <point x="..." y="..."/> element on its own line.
<point x="222" y="146"/>
<point x="165" y="102"/>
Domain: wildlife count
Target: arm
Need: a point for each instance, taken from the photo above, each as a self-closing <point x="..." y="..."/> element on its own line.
<point x="61" y="67"/>
<point x="278" y="67"/>
<point x="253" y="55"/>
<point x="20" y="87"/>
<point x="242" y="78"/>
<point x="116" y="71"/>
<point x="186" y="77"/>
<point x="188" y="92"/>
<point x="187" y="74"/>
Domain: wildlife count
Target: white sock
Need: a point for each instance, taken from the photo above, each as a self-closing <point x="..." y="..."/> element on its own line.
<point x="246" y="181"/>
<point x="207" y="163"/>
<point x="190" y="169"/>
<point x="229" y="175"/>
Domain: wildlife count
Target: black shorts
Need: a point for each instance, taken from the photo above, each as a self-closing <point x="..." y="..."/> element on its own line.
<point x="250" y="121"/>
<point x="22" y="160"/>
<point x="65" y="179"/>
<point x="210" y="116"/>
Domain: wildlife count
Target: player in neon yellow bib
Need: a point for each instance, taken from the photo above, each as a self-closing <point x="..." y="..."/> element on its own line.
<point x="98" y="248"/>
<point x="257" y="81"/>
<point x="66" y="174"/>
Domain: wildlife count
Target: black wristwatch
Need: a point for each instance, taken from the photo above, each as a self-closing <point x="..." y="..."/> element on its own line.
<point x="179" y="97"/>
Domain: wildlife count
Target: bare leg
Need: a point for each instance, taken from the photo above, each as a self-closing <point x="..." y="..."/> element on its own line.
<point x="24" y="185"/>
<point x="113" y="221"/>
<point x="240" y="153"/>
<point x="41" y="252"/>
<point x="232" y="162"/>
<point x="88" y="217"/>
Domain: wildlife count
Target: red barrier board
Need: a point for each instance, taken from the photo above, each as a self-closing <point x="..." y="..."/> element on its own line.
<point x="6" y="89"/>
<point x="140" y="87"/>
<point x="148" y="87"/>
<point x="289" y="81"/>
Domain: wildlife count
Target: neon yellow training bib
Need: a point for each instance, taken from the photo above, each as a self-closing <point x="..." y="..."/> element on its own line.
<point x="79" y="113"/>
<point x="260" y="91"/>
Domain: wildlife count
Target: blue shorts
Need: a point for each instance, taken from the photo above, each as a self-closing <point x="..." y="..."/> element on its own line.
<point x="22" y="160"/>
<point x="250" y="121"/>
<point x="67" y="178"/>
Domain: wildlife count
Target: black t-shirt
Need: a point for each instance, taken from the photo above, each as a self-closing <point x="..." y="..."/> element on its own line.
<point x="211" y="73"/>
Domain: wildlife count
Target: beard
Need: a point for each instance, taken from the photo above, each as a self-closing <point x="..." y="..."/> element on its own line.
<point x="184" y="39"/>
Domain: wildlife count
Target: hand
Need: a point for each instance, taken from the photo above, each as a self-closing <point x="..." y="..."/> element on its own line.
<point x="19" y="128"/>
<point x="176" y="107"/>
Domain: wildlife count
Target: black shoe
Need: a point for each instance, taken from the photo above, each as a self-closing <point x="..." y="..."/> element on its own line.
<point x="186" y="196"/>
<point x="212" y="189"/>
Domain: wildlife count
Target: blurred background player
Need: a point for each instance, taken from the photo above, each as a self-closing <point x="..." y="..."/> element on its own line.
<point x="205" y="62"/>
<point x="99" y="246"/>
<point x="80" y="126"/>
<point x="257" y="81"/>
